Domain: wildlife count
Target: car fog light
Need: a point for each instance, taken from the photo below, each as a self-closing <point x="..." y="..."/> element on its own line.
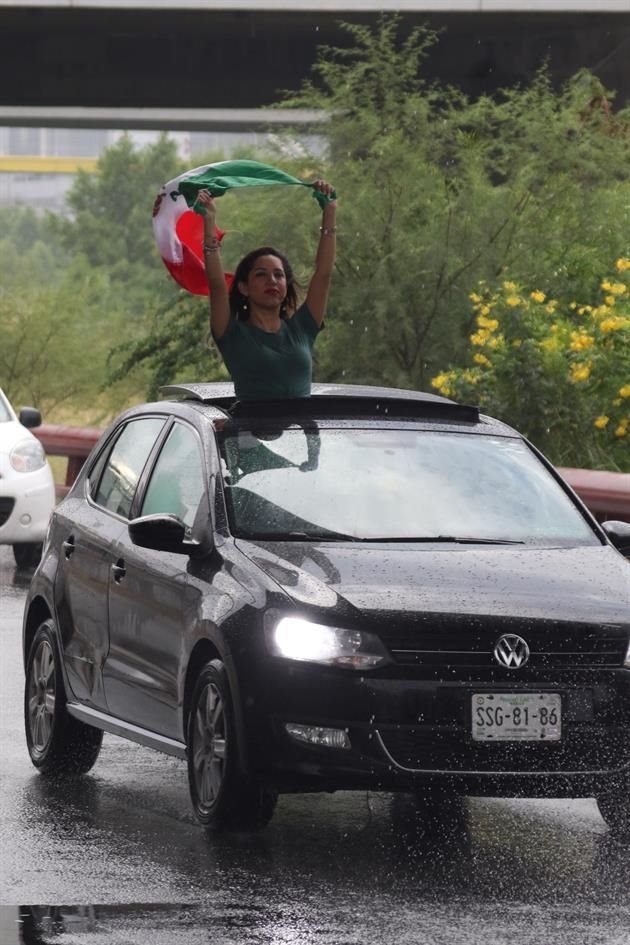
<point x="316" y="735"/>
<point x="25" y="519"/>
<point x="626" y="661"/>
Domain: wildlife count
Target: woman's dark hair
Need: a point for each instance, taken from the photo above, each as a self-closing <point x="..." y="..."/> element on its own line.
<point x="238" y="302"/>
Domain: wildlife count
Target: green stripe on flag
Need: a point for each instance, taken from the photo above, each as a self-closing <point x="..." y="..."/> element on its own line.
<point x="227" y="175"/>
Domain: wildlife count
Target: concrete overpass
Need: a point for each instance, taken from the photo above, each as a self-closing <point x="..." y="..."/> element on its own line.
<point x="208" y="64"/>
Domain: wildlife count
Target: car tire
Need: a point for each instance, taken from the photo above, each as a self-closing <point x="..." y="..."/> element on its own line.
<point x="57" y="743"/>
<point x="222" y="797"/>
<point x="614" y="806"/>
<point x="27" y="554"/>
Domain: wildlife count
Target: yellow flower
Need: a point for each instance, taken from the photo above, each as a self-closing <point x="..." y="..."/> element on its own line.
<point x="513" y="300"/>
<point x="614" y="323"/>
<point x="622" y="264"/>
<point x="510" y="286"/>
<point x="551" y="307"/>
<point x="479" y="358"/>
<point x="579" y="372"/>
<point x="580" y="341"/>
<point x="618" y="288"/>
<point x="550" y="344"/>
<point x="606" y="285"/>
<point x="624" y="391"/>
<point x="470" y="377"/>
<point x="474" y="298"/>
<point x="573" y="305"/>
<point x="537" y="296"/>
<point x="480" y="337"/>
<point x="601" y="422"/>
<point x="491" y="324"/>
<point x="621" y="430"/>
<point x="610" y="300"/>
<point x="442" y="383"/>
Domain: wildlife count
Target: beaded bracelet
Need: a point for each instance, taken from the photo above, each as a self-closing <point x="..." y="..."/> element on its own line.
<point x="211" y="247"/>
<point x="327" y="230"/>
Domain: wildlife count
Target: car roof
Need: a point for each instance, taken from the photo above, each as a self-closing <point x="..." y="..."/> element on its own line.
<point x="334" y="401"/>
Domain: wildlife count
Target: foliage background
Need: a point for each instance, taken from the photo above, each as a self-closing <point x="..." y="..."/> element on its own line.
<point x="441" y="198"/>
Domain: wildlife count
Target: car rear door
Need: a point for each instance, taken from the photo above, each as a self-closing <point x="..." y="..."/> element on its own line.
<point x="86" y="528"/>
<point x="152" y="605"/>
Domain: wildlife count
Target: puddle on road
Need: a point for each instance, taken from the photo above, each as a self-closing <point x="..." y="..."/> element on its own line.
<point x="41" y="925"/>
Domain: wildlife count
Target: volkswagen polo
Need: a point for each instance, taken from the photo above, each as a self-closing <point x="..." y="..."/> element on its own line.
<point x="371" y="588"/>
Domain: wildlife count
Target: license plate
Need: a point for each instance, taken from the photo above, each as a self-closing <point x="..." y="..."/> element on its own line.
<point x="512" y="716"/>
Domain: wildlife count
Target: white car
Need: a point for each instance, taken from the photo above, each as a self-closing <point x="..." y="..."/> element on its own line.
<point x="27" y="488"/>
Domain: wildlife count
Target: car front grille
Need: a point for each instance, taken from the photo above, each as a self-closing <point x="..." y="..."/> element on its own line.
<point x="473" y="647"/>
<point x="6" y="507"/>
<point x="583" y="748"/>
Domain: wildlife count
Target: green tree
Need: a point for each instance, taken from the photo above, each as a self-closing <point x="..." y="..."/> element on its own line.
<point x="438" y="192"/>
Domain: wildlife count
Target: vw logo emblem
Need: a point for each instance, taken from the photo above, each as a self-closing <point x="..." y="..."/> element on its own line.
<point x="511" y="651"/>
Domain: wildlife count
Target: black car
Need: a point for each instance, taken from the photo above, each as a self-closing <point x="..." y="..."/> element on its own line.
<point x="371" y="588"/>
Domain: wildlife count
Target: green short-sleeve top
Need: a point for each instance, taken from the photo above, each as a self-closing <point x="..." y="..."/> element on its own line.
<point x="270" y="365"/>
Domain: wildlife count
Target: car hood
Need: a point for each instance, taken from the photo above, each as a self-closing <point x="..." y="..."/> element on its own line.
<point x="582" y="584"/>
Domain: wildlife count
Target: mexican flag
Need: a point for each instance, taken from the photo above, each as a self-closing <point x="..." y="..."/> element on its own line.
<point x="178" y="226"/>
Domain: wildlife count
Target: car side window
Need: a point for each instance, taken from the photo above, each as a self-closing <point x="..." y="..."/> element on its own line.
<point x="126" y="461"/>
<point x="177" y="482"/>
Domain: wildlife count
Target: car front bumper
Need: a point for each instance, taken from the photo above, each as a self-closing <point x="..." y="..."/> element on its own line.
<point x="26" y="503"/>
<point x="404" y="734"/>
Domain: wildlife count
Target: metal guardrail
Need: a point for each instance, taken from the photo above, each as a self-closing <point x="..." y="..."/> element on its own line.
<point x="606" y="494"/>
<point x="74" y="443"/>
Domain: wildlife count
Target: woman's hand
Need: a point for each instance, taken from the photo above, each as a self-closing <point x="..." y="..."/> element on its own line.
<point x="205" y="200"/>
<point x="324" y="187"/>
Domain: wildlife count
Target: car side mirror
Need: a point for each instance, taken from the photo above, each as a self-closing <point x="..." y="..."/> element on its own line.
<point x="30" y="417"/>
<point x="619" y="535"/>
<point x="162" y="532"/>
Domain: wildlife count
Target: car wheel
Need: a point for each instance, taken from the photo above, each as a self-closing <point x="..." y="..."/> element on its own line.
<point x="27" y="554"/>
<point x="222" y="797"/>
<point x="614" y="806"/>
<point x="57" y="743"/>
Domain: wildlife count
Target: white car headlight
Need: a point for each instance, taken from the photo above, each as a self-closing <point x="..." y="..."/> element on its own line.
<point x="295" y="638"/>
<point x="27" y="456"/>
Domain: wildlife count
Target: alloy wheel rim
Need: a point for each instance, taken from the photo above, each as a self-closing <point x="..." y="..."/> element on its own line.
<point x="209" y="745"/>
<point x="41" y="696"/>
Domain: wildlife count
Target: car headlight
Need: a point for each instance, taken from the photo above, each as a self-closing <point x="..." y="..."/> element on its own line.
<point x="27" y="456"/>
<point x="294" y="638"/>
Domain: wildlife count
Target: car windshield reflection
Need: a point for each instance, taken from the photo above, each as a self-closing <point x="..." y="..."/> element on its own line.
<point x="394" y="485"/>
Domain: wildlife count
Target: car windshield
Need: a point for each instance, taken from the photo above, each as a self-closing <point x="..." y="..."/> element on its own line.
<point x="394" y="485"/>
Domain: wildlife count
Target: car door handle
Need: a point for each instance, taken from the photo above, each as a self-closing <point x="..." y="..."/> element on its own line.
<point x="68" y="547"/>
<point x="119" y="570"/>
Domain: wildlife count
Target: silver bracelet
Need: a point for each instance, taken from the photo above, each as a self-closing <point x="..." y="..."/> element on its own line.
<point x="211" y="247"/>
<point x="327" y="230"/>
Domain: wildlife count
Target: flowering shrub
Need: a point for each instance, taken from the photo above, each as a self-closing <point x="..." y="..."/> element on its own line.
<point x="558" y="370"/>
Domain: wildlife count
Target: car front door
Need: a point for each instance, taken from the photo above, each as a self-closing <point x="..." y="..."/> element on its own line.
<point x="152" y="605"/>
<point x="86" y="533"/>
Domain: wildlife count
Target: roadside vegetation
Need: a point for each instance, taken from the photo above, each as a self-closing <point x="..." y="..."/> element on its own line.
<point x="483" y="253"/>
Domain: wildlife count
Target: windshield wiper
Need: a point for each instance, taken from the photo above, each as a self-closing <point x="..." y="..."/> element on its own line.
<point x="400" y="539"/>
<point x="446" y="539"/>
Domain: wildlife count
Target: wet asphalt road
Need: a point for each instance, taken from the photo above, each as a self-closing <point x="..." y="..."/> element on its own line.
<point x="117" y="857"/>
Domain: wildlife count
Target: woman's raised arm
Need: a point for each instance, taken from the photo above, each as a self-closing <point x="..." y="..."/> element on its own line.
<point x="319" y="287"/>
<point x="219" y="300"/>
